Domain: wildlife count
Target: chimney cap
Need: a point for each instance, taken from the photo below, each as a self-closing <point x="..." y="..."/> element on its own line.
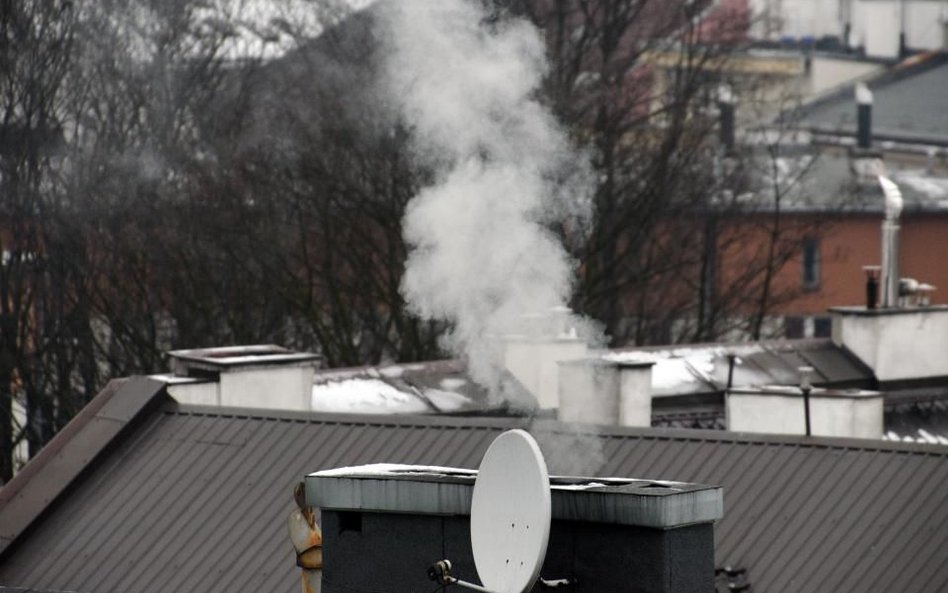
<point x="863" y="94"/>
<point x="232" y="357"/>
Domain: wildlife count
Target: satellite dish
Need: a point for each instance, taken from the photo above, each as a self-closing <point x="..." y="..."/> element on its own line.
<point x="510" y="514"/>
<point x="510" y="517"/>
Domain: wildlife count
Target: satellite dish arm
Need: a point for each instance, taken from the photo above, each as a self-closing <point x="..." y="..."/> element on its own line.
<point x="440" y="572"/>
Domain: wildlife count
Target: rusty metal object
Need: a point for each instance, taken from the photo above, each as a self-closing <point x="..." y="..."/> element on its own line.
<point x="307" y="539"/>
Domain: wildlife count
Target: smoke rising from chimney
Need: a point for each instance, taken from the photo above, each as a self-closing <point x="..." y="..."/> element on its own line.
<point x="482" y="256"/>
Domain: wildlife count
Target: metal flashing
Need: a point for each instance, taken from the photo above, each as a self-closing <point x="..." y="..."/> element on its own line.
<point x="441" y="491"/>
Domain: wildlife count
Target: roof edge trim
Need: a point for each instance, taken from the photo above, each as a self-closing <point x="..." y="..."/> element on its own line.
<point x="71" y="452"/>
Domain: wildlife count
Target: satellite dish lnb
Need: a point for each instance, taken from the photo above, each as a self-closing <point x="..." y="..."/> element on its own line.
<point x="510" y="517"/>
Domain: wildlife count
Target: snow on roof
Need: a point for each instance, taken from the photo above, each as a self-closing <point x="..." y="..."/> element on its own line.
<point x="391" y="469"/>
<point x="930" y="186"/>
<point x="365" y="396"/>
<point x="673" y="369"/>
<point x="919" y="436"/>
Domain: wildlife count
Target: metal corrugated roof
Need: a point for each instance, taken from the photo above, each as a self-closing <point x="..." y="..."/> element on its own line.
<point x="197" y="499"/>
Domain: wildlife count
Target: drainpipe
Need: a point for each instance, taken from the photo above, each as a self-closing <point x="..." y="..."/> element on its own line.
<point x="890" y="242"/>
<point x="307" y="539"/>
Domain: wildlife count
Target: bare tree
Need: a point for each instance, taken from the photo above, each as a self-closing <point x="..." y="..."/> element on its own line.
<point x="638" y="81"/>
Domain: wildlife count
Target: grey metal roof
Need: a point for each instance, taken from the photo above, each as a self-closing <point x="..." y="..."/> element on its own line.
<point x="197" y="499"/>
<point x="909" y="104"/>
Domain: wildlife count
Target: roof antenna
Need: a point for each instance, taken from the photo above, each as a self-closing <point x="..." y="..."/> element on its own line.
<point x="510" y="518"/>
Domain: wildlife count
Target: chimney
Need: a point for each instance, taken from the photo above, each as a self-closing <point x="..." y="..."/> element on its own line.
<point x="897" y="344"/>
<point x="726" y="106"/>
<point x="384" y="526"/>
<point x="258" y="376"/>
<point x="783" y="410"/>
<point x="532" y="357"/>
<point x="601" y="391"/>
<point x="890" y="242"/>
<point x="863" y="116"/>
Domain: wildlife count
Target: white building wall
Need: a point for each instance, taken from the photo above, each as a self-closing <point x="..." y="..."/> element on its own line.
<point x="878" y="28"/>
<point x="875" y="24"/>
<point x="775" y="19"/>
<point x="828" y="73"/>
<point x="925" y="22"/>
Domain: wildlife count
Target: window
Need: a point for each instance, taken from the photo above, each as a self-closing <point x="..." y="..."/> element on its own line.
<point x="811" y="264"/>
<point x="794" y="327"/>
<point x="822" y="327"/>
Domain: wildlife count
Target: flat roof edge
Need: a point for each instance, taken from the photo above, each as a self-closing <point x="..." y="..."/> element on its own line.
<point x="659" y="505"/>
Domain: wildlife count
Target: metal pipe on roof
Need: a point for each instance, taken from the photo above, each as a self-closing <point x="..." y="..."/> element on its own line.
<point x="890" y="242"/>
<point x="863" y="116"/>
<point x="307" y="539"/>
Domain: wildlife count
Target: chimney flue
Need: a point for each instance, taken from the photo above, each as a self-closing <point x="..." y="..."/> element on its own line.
<point x="863" y="116"/>
<point x="890" y="242"/>
<point x="726" y="106"/>
<point x="872" y="286"/>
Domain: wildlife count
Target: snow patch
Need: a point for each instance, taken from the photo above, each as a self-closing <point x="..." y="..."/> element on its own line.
<point x="392" y="469"/>
<point x="364" y="396"/>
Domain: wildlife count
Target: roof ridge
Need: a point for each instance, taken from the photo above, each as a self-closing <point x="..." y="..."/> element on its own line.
<point x="547" y="425"/>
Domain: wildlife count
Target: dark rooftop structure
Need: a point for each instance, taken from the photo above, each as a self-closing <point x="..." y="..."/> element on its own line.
<point x="144" y="494"/>
<point x="909" y="104"/>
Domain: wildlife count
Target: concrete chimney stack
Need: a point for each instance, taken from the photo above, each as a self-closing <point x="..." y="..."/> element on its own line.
<point x="258" y="376"/>
<point x="600" y="391"/>
<point x="532" y="357"/>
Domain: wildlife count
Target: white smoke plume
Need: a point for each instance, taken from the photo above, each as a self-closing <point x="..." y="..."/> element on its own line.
<point x="482" y="257"/>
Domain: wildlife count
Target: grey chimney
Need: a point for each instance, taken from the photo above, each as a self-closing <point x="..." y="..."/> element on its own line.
<point x="383" y="526"/>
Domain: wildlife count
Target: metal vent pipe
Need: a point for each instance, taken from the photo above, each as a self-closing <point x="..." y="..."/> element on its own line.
<point x="863" y="116"/>
<point x="890" y="242"/>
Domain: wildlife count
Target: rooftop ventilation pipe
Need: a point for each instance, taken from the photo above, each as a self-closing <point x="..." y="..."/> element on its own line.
<point x="890" y="242"/>
<point x="863" y="116"/>
<point x="726" y="105"/>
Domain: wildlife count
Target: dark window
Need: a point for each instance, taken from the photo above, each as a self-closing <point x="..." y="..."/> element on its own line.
<point x="794" y="327"/>
<point x="822" y="327"/>
<point x="350" y="521"/>
<point x="811" y="264"/>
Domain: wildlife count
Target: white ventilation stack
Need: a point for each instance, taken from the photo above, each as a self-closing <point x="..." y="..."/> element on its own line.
<point x="258" y="376"/>
<point x="533" y="356"/>
<point x="847" y="413"/>
<point x="600" y="391"/>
